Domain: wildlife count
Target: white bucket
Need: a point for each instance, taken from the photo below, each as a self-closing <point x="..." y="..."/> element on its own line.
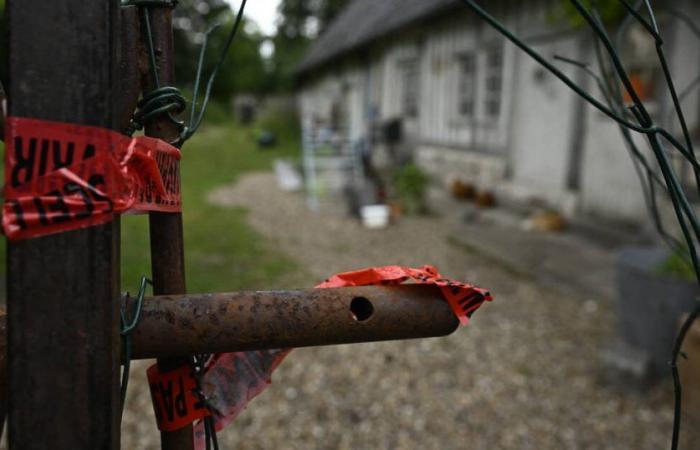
<point x="288" y="179"/>
<point x="375" y="216"/>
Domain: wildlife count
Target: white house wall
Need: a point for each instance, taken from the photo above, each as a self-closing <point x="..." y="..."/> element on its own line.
<point x="390" y="96"/>
<point x="439" y="122"/>
<point x="344" y="89"/>
<point x="542" y="122"/>
<point x="530" y="146"/>
<point x="316" y="99"/>
<point x="609" y="185"/>
<point x="355" y="106"/>
<point x="452" y="147"/>
<point x="683" y="51"/>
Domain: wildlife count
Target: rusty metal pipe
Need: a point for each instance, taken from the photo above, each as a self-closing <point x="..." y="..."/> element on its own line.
<point x="208" y="323"/>
<point x="257" y="320"/>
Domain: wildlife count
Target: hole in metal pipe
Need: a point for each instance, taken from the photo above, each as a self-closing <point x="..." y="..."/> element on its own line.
<point x="361" y="309"/>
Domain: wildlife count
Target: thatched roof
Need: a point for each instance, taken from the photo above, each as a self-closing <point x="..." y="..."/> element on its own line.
<point x="364" y="21"/>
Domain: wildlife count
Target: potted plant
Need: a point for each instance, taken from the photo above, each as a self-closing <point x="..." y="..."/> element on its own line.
<point x="410" y="185"/>
<point x="655" y="287"/>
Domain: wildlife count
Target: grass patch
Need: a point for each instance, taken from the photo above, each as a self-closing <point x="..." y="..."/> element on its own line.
<point x="221" y="251"/>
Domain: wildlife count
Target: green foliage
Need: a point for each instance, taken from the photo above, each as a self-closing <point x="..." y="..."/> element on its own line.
<point x="218" y="114"/>
<point x="285" y="125"/>
<point x="300" y="20"/>
<point x="677" y="266"/>
<point x="611" y="11"/>
<point x="305" y="18"/>
<point x="410" y="184"/>
<point x="295" y="18"/>
<point x="243" y="70"/>
<point x="330" y="9"/>
<point x="288" y="54"/>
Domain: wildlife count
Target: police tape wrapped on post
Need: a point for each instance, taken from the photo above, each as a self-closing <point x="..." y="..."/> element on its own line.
<point x="61" y="177"/>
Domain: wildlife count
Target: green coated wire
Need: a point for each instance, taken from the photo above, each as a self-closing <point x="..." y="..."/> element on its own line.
<point x="573" y="86"/>
<point x="168" y="101"/>
<point x="638" y="159"/>
<point x="196" y="119"/>
<point x="127" y="326"/>
<point x="162" y="101"/>
<point x="198" y="364"/>
<point x="653" y="29"/>
<point x="681" y="205"/>
<point x="614" y="98"/>
<point x="685" y="215"/>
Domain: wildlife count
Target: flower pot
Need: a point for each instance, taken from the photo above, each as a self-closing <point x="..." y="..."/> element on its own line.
<point x="649" y="305"/>
<point x="375" y="216"/>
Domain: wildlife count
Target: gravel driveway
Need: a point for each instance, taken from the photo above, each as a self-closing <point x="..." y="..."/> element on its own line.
<point x="523" y="375"/>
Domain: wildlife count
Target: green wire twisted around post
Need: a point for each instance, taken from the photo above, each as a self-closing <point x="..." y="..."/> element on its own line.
<point x="168" y="101"/>
<point x="197" y="362"/>
<point x="127" y="326"/>
<point x="162" y="101"/>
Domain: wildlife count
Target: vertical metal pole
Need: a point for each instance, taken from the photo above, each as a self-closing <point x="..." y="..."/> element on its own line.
<point x="167" y="248"/>
<point x="62" y="290"/>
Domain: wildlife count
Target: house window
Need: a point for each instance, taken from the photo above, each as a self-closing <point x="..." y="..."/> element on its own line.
<point x="493" y="75"/>
<point x="466" y="88"/>
<point x="479" y="85"/>
<point x="410" y="87"/>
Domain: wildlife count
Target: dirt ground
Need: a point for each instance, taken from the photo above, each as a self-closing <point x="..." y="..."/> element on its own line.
<point x="524" y="374"/>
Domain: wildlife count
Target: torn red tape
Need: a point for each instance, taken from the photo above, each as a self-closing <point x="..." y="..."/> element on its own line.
<point x="61" y="177"/>
<point x="232" y="380"/>
<point x="463" y="298"/>
<point x="176" y="402"/>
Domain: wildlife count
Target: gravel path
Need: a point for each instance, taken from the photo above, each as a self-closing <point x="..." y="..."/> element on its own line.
<point x="523" y="375"/>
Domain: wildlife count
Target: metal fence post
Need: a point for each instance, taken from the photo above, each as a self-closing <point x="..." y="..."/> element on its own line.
<point x="167" y="246"/>
<point x="63" y="289"/>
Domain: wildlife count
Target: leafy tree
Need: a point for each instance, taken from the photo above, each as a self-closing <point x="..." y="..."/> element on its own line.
<point x="243" y="69"/>
<point x="328" y="11"/>
<point x="300" y="22"/>
<point x="295" y="16"/>
<point x="307" y="17"/>
<point x="611" y="11"/>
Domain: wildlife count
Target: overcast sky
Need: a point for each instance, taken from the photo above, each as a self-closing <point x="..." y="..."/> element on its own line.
<point x="263" y="12"/>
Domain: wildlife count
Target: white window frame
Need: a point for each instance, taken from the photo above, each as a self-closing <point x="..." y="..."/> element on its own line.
<point x="485" y="88"/>
<point x="409" y="72"/>
<point x="492" y="72"/>
<point x="467" y="81"/>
